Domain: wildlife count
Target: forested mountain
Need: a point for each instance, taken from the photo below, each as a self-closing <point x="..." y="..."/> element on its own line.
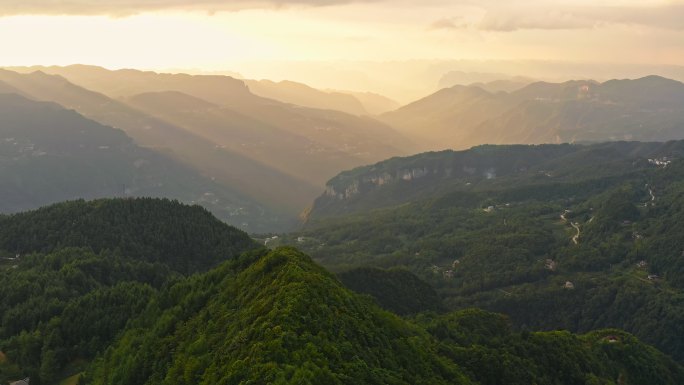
<point x="396" y="290"/>
<point x="75" y="273"/>
<point x="49" y="154"/>
<point x="646" y="109"/>
<point x="556" y="236"/>
<point x="185" y="238"/>
<point x="279" y="318"/>
<point x="502" y="169"/>
<point x="100" y="293"/>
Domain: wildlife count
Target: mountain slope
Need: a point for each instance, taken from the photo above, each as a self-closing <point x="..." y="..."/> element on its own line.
<point x="146" y="229"/>
<point x="282" y="320"/>
<point x="214" y="88"/>
<point x="49" y="154"/>
<point x="556" y="236"/>
<point x="303" y="95"/>
<point x="278" y="318"/>
<point x="357" y="139"/>
<point x="647" y="109"/>
<point x="292" y="149"/>
<point x="446" y="118"/>
<point x="483" y="169"/>
<point x="287" y="151"/>
<point x="396" y="290"/>
<point x="233" y="170"/>
<point x="375" y="104"/>
<point x="74" y="274"/>
<point x="260" y="317"/>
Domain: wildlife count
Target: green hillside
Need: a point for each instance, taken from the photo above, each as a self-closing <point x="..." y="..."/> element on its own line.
<point x="396" y="290"/>
<point x="278" y="318"/>
<point x="101" y="288"/>
<point x="74" y="274"/>
<point x="185" y="238"/>
<point x="586" y="239"/>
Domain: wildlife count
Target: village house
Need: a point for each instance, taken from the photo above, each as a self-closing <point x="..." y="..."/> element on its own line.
<point x="550" y="264"/>
<point x="611" y="339"/>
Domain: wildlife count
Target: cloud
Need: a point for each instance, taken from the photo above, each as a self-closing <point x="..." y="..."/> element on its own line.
<point x="534" y="19"/>
<point x="448" y="24"/>
<point x="120" y="8"/>
<point x="670" y="16"/>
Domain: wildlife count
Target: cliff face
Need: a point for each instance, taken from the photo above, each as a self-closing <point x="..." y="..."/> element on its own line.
<point x="397" y="180"/>
<point x="373" y="181"/>
<point x="400" y="180"/>
<point x="437" y="168"/>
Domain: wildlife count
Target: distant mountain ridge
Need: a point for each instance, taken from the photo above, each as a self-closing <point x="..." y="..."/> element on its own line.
<point x="148" y="131"/>
<point x="49" y="154"/>
<point x="245" y="141"/>
<point x="647" y="109"/>
<point x="303" y="95"/>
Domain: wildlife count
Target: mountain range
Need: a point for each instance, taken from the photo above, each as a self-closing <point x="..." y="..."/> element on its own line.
<point x="276" y="153"/>
<point x="49" y="154"/>
<point x="276" y="146"/>
<point x="646" y="109"/>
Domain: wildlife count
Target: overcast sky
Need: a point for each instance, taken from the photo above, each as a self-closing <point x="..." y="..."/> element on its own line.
<point x="217" y="35"/>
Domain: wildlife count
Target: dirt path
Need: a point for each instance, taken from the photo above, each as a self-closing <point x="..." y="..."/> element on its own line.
<point x="562" y="216"/>
<point x="576" y="226"/>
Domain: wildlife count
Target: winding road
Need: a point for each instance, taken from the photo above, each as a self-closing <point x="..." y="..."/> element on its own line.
<point x="576" y="226"/>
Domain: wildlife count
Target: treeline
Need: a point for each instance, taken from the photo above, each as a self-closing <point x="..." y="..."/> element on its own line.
<point x="186" y="238"/>
<point x="74" y="274"/>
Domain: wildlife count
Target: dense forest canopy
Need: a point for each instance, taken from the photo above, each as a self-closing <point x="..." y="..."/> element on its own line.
<point x="574" y="237"/>
<point x="113" y="304"/>
<point x="74" y="274"/>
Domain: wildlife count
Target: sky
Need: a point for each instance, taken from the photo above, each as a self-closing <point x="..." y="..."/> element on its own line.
<point x="254" y="36"/>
